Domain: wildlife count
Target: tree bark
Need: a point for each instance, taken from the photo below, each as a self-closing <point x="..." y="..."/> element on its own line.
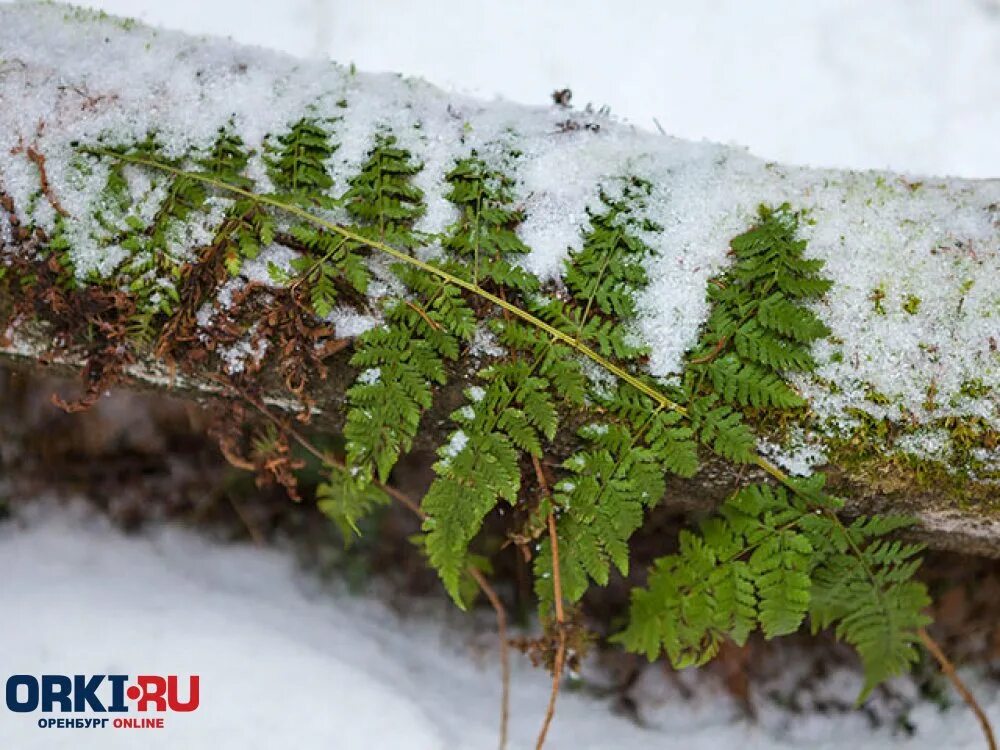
<point x="942" y="523"/>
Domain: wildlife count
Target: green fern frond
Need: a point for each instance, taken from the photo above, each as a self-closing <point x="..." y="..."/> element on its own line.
<point x="298" y="162"/>
<point x="770" y="558"/>
<point x="608" y="271"/>
<point x="517" y="399"/>
<point x="783" y="316"/>
<point x="390" y="395"/>
<point x="485" y="234"/>
<point x="329" y="259"/>
<point x="747" y="384"/>
<point x="346" y="502"/>
<point x="227" y="160"/>
<point x="722" y="429"/>
<point x="601" y="502"/>
<point x="476" y="468"/>
<point x="780" y="567"/>
<point x="678" y="612"/>
<point x="864" y="589"/>
<point x="404" y="359"/>
<point x="512" y="412"/>
<point x="758" y="328"/>
<point x="382" y="196"/>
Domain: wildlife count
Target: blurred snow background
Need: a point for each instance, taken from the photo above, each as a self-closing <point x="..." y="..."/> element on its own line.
<point x="911" y="85"/>
<point x="908" y="85"/>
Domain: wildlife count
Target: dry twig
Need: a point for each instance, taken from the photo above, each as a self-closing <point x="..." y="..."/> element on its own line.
<point x="560" y="658"/>
<point x="949" y="671"/>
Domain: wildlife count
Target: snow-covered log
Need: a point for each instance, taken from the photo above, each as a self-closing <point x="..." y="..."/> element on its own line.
<point x="903" y="408"/>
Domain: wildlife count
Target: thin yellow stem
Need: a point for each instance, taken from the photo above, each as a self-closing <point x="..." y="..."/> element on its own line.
<point x="403" y="257"/>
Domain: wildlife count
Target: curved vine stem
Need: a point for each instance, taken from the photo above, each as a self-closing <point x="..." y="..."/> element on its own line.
<point x="654" y="394"/>
<point x="949" y="671"/>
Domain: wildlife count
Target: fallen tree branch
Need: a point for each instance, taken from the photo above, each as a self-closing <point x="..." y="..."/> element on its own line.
<point x="941" y="350"/>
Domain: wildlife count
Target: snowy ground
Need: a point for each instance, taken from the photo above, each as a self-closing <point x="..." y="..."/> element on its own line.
<point x="287" y="662"/>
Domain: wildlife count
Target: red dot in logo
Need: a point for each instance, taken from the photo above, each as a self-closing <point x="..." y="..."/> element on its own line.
<point x="133" y="692"/>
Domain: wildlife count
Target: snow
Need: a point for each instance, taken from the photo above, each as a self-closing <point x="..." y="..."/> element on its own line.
<point x="894" y="84"/>
<point x="349" y="323"/>
<point x="484" y="344"/>
<point x="455" y="445"/>
<point x="250" y="348"/>
<point x="289" y="660"/>
<point x="798" y="455"/>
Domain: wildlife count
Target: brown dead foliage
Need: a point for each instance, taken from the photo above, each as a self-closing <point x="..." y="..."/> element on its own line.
<point x="19" y="233"/>
<point x="542" y="649"/>
<point x="251" y="445"/>
<point x="280" y="321"/>
<point x="89" y="321"/>
<point x="198" y="285"/>
<point x="92" y="322"/>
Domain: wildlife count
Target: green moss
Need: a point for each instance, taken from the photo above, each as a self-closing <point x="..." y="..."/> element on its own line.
<point x="911" y="304"/>
<point x="76" y="15"/>
<point x="975" y="388"/>
<point x="869" y="456"/>
<point x="875" y="396"/>
<point x="866" y="460"/>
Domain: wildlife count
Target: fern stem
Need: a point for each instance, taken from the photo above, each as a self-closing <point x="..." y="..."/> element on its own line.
<point x="501" y="615"/>
<point x="560" y="657"/>
<point x="423" y="314"/>
<point x="36" y="157"/>
<point x="949" y="671"/>
<point x="476" y="231"/>
<point x="717" y="349"/>
<point x="550" y="710"/>
<point x="593" y="293"/>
